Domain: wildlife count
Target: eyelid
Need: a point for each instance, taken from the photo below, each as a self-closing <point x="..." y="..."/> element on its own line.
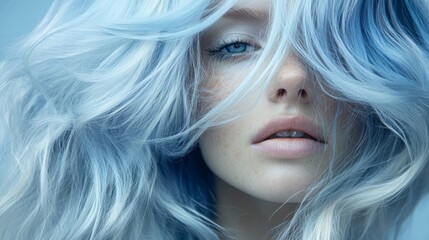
<point x="216" y="51"/>
<point x="232" y="37"/>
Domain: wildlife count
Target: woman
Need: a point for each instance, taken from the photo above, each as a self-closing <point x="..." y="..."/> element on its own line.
<point x="216" y="120"/>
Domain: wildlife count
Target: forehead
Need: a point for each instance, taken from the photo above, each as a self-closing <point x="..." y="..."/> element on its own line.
<point x="254" y="5"/>
<point x="249" y="9"/>
<point x="263" y="5"/>
<point x="245" y="16"/>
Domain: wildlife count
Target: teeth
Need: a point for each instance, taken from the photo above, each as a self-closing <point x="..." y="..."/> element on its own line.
<point x="297" y="134"/>
<point x="292" y="134"/>
<point x="283" y="134"/>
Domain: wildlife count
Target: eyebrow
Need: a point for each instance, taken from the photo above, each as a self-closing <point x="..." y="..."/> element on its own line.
<point x="246" y="13"/>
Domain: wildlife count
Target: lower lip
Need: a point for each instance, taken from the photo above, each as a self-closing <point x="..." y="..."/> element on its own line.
<point x="289" y="148"/>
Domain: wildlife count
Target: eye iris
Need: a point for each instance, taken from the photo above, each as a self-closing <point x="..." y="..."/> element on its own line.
<point x="236" y="47"/>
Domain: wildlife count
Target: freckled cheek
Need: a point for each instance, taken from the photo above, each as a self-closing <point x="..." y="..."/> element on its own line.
<point x="222" y="82"/>
<point x="222" y="147"/>
<point x="220" y="86"/>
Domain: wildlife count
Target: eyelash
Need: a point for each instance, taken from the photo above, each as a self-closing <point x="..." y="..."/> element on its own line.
<point x="220" y="53"/>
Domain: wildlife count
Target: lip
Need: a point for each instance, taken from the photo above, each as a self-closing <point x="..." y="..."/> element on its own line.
<point x="286" y="148"/>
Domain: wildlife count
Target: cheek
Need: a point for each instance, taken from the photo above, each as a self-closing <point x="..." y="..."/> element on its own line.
<point x="212" y="92"/>
<point x="223" y="80"/>
<point x="216" y="89"/>
<point x="219" y="147"/>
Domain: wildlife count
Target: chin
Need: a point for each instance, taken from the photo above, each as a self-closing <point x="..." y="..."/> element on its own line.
<point x="284" y="195"/>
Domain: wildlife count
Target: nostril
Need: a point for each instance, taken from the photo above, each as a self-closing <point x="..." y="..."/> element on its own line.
<point x="281" y="92"/>
<point x="302" y="93"/>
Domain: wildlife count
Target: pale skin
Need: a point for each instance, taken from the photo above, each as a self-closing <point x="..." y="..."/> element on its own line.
<point x="257" y="192"/>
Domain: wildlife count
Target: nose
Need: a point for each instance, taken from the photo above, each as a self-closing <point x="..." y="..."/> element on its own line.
<point x="291" y="84"/>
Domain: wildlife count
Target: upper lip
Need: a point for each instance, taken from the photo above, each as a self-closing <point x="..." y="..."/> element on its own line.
<point x="284" y="123"/>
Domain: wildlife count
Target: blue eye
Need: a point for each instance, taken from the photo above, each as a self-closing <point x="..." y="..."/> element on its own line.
<point x="237" y="47"/>
<point x="233" y="49"/>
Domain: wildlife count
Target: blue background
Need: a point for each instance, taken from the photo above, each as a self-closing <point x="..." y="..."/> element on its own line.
<point x="17" y="17"/>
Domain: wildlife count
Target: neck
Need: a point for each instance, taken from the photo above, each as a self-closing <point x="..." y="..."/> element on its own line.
<point x="248" y="217"/>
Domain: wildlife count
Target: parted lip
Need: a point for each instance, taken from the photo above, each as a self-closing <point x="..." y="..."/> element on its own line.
<point x="288" y="123"/>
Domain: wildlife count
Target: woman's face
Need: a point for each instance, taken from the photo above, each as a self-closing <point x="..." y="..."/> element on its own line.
<point x="281" y="145"/>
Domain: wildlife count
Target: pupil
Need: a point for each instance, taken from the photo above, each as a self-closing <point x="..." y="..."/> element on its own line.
<point x="236" y="48"/>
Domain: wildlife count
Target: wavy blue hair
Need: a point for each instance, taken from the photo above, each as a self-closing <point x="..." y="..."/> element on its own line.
<point x="101" y="116"/>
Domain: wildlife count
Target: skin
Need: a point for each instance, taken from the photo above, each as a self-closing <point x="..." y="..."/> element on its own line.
<point x="257" y="192"/>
